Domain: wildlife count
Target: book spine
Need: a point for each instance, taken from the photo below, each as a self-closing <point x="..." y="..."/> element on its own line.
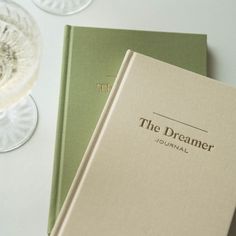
<point x="76" y="184"/>
<point x="58" y="155"/>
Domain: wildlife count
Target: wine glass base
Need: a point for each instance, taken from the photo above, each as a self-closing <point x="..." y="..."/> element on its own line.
<point x="18" y="124"/>
<point x="62" y="7"/>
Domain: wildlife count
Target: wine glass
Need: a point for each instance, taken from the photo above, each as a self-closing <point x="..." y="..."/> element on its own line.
<point x="62" y="7"/>
<point x="19" y="64"/>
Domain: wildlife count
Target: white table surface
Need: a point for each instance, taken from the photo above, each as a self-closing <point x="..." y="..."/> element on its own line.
<point x="25" y="174"/>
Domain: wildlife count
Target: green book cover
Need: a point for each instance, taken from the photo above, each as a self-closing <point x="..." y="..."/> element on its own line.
<point x="91" y="60"/>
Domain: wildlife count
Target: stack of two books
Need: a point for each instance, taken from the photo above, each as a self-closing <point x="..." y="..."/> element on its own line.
<point x="160" y="160"/>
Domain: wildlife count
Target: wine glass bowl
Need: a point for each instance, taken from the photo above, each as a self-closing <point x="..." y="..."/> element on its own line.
<point x="62" y="7"/>
<point x="20" y="48"/>
<point x="19" y="52"/>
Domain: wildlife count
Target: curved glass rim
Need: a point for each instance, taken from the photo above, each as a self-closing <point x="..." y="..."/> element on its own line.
<point x="34" y="126"/>
<point x="54" y="12"/>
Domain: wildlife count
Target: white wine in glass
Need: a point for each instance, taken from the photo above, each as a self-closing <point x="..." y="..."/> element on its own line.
<point x="62" y="7"/>
<point x="19" y="63"/>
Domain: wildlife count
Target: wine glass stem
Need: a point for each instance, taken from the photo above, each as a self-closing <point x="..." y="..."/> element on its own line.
<point x="3" y="117"/>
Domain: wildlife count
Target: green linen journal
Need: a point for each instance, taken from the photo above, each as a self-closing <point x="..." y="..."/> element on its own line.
<point x="91" y="60"/>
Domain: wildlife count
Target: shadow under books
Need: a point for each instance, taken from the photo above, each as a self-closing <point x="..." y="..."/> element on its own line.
<point x="232" y="230"/>
<point x="211" y="64"/>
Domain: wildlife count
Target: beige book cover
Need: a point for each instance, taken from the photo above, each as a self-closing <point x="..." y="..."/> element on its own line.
<point x="161" y="161"/>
